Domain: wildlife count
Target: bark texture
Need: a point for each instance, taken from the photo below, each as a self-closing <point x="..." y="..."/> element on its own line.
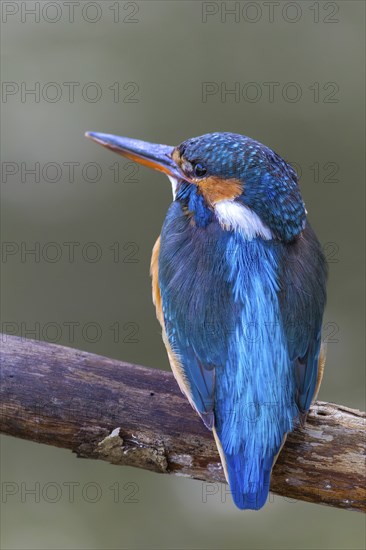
<point x="130" y="415"/>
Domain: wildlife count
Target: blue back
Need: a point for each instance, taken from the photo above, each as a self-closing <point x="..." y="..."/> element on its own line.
<point x="244" y="320"/>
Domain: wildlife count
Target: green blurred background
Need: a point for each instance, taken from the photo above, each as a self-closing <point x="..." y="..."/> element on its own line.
<point x="149" y="62"/>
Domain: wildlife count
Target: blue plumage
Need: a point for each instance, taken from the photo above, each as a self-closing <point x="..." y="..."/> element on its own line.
<point x="241" y="280"/>
<point x="256" y="368"/>
<point x="269" y="183"/>
<point x="223" y="319"/>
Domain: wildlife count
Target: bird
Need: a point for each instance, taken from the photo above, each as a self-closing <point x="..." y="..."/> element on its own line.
<point x="239" y="285"/>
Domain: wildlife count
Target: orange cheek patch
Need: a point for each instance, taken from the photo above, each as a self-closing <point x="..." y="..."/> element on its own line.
<point x="176" y="157"/>
<point x="215" y="189"/>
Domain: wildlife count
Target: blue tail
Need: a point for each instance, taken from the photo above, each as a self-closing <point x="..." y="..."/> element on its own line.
<point x="249" y="483"/>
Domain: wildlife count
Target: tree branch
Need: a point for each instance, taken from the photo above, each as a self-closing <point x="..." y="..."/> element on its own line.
<point x="107" y="409"/>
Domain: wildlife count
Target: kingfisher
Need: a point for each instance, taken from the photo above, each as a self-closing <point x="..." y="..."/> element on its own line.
<point x="239" y="286"/>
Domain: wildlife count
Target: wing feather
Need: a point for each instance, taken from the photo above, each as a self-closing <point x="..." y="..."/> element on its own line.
<point x="302" y="300"/>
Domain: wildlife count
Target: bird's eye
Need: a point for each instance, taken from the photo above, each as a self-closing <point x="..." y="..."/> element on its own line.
<point x="199" y="170"/>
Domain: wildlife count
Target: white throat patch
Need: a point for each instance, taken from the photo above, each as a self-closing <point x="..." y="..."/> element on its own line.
<point x="174" y="183"/>
<point x="236" y="216"/>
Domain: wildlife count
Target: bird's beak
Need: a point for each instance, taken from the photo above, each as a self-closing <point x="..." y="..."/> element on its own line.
<point x="152" y="155"/>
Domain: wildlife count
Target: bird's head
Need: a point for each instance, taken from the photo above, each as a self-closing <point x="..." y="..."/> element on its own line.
<point x="241" y="182"/>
